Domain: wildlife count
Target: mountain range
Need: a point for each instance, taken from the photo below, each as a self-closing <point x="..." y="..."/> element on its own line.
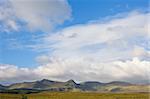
<point x="71" y="85"/>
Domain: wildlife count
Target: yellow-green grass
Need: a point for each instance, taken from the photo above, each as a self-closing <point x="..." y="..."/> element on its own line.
<point x="10" y="96"/>
<point x="78" y="95"/>
<point x="129" y="89"/>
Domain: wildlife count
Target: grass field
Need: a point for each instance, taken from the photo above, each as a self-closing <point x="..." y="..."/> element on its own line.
<point x="77" y="95"/>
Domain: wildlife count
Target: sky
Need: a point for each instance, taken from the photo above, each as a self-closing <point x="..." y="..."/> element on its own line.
<point x="98" y="40"/>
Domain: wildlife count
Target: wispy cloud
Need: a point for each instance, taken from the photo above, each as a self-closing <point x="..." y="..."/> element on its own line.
<point x="115" y="38"/>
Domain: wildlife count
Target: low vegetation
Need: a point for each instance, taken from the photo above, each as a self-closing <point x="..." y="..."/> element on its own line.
<point x="76" y="95"/>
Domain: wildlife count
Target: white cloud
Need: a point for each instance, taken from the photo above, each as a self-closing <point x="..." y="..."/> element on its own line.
<point x="43" y="59"/>
<point x="115" y="49"/>
<point x="86" y="69"/>
<point x="36" y="14"/>
<point x="7" y="18"/>
<point x="12" y="72"/>
<point x="82" y="70"/>
<point x="112" y="39"/>
<point x="140" y="52"/>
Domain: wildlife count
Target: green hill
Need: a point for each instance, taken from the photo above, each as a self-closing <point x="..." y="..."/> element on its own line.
<point x="71" y="85"/>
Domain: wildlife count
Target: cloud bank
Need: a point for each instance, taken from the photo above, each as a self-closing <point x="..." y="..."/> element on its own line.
<point x="81" y="70"/>
<point x="114" y="49"/>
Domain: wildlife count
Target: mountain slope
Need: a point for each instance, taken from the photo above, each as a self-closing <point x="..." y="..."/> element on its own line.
<point x="121" y="83"/>
<point x="44" y="85"/>
<point x="71" y="85"/>
<point x="32" y="85"/>
<point x="2" y="87"/>
<point x="89" y="86"/>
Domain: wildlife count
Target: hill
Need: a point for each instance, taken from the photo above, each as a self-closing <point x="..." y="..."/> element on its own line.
<point x="71" y="85"/>
<point x="2" y="87"/>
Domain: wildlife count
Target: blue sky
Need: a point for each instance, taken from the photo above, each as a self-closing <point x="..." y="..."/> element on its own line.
<point x="82" y="12"/>
<point x="92" y="33"/>
<point x="87" y="10"/>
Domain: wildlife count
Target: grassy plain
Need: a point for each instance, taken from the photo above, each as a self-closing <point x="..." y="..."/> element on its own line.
<point x="76" y="95"/>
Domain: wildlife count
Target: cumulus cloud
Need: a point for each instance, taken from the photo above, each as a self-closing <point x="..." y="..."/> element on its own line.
<point x="81" y="70"/>
<point x="85" y="69"/>
<point x="41" y="15"/>
<point x="12" y="72"/>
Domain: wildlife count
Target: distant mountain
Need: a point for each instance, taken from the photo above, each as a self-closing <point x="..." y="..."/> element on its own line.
<point x="43" y="84"/>
<point x="121" y="83"/>
<point x="71" y="85"/>
<point x="89" y="86"/>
